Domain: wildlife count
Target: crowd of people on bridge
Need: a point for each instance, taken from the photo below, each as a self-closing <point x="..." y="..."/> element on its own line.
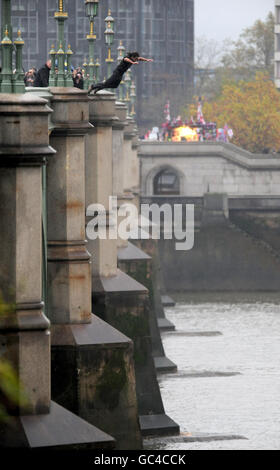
<point x="171" y="130"/>
<point x="40" y="78"/>
<point x="189" y="130"/>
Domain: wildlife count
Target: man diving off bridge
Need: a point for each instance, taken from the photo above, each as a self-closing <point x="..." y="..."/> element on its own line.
<point x="132" y="58"/>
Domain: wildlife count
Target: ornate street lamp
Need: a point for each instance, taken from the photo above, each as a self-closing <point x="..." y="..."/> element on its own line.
<point x="6" y="74"/>
<point x="91" y="8"/>
<point x="9" y="82"/>
<point x="19" y="86"/>
<point x="61" y="71"/>
<point x="6" y="23"/>
<point x="7" y="48"/>
<point x="91" y="13"/>
<point x="97" y="68"/>
<point x="69" y="79"/>
<point x="52" y="53"/>
<point x="121" y="50"/>
<point x="133" y="98"/>
<point x="61" y="16"/>
<point x="85" y="68"/>
<point x="128" y="80"/>
<point x="109" y="39"/>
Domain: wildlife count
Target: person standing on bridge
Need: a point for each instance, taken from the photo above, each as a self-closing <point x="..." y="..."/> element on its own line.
<point x="132" y="58"/>
<point x="43" y="75"/>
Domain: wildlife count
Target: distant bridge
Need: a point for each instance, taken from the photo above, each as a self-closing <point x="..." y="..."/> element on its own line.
<point x="186" y="171"/>
<point x="236" y="197"/>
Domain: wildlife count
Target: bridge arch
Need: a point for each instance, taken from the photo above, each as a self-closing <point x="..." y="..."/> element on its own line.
<point x="165" y="180"/>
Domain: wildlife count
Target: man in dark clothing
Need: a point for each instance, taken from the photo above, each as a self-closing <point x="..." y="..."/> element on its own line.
<point x="132" y="58"/>
<point x="42" y="77"/>
<point x="78" y="80"/>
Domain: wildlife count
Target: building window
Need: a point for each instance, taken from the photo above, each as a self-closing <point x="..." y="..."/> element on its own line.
<point x="278" y="15"/>
<point x="167" y="182"/>
<point x="277" y="69"/>
<point x="278" y="42"/>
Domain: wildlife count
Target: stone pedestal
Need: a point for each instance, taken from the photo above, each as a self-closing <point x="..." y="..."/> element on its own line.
<point x="124" y="303"/>
<point x="137" y="264"/>
<point x="118" y="298"/>
<point x="131" y="164"/>
<point x="24" y="329"/>
<point x="215" y="209"/>
<point x="118" y="149"/>
<point x="94" y="376"/>
<point x="87" y="354"/>
<point x="121" y="163"/>
<point x="150" y="247"/>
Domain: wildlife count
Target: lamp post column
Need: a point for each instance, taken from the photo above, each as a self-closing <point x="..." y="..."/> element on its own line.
<point x="61" y="16"/>
<point x="19" y="82"/>
<point x="91" y="37"/>
<point x="127" y="80"/>
<point x="52" y="53"/>
<point x="6" y="74"/>
<point x="121" y="50"/>
<point x="61" y="73"/>
<point x="97" y="68"/>
<point x="91" y="13"/>
<point x="85" y="68"/>
<point x="7" y="48"/>
<point x="133" y="98"/>
<point x="69" y="79"/>
<point x="7" y="23"/>
<point x="109" y="39"/>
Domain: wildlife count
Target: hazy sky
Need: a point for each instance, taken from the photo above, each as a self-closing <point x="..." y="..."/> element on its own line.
<point x="221" y="19"/>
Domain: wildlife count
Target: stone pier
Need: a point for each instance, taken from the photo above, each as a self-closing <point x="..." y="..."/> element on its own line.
<point x="118" y="298"/>
<point x="139" y="265"/>
<point x="131" y="177"/>
<point x="92" y="365"/>
<point x="132" y="260"/>
<point x="37" y="422"/>
<point x="151" y="247"/>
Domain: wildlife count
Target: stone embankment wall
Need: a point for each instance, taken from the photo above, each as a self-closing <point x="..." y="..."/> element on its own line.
<point x="236" y="251"/>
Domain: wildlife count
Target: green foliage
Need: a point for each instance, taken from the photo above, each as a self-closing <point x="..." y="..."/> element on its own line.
<point x="10" y="390"/>
<point x="5" y="308"/>
<point x="251" y="109"/>
<point x="11" y="393"/>
<point x="253" y="52"/>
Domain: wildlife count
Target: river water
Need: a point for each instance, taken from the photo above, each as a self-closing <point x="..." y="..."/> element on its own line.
<point x="227" y="382"/>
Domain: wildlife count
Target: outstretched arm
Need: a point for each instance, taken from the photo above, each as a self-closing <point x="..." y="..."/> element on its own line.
<point x="126" y="59"/>
<point x="145" y="60"/>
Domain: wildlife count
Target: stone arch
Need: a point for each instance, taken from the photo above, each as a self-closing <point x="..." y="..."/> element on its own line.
<point x="165" y="172"/>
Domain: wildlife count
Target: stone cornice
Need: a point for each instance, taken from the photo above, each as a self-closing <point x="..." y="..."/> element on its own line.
<point x="27" y="317"/>
<point x="25" y="156"/>
<point x="68" y="251"/>
<point x="63" y="94"/>
<point x="104" y="121"/>
<point x="229" y="152"/>
<point x="71" y="128"/>
<point x="120" y="125"/>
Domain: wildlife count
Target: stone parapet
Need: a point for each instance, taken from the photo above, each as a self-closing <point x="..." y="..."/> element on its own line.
<point x="214" y="167"/>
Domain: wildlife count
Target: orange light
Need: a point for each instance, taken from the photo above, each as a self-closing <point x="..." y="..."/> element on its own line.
<point x="184" y="133"/>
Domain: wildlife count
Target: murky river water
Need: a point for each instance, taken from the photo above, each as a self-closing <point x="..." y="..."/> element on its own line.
<point x="204" y="400"/>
